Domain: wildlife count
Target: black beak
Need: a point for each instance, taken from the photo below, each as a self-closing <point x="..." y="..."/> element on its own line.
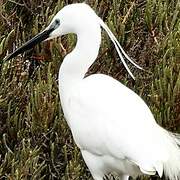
<point x="32" y="42"/>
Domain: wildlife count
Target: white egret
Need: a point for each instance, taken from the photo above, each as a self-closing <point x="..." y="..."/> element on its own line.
<point x="112" y="126"/>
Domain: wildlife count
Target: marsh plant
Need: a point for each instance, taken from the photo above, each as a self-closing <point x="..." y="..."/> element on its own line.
<point x="35" y="141"/>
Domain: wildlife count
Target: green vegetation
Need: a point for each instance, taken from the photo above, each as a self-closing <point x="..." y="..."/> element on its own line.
<point x="35" y="141"/>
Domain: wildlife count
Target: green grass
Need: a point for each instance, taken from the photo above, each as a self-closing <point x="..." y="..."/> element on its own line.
<point x="35" y="141"/>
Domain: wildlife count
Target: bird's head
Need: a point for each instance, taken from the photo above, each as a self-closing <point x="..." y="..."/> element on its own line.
<point x="73" y="18"/>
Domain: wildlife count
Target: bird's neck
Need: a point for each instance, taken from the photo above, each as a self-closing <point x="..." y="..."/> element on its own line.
<point x="76" y="64"/>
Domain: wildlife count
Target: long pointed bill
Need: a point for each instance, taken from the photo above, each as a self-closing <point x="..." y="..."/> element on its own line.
<point x="35" y="40"/>
<point x="30" y="44"/>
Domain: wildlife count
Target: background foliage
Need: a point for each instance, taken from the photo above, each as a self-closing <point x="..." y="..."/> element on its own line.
<point x="35" y="141"/>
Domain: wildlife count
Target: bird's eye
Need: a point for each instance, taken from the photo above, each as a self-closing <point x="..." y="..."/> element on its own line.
<point x="57" y="22"/>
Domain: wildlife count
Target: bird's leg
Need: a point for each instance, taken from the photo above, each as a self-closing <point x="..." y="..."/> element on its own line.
<point x="95" y="165"/>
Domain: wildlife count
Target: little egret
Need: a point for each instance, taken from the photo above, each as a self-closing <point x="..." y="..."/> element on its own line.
<point x="113" y="127"/>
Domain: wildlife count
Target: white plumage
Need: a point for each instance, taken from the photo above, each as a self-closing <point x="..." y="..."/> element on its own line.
<point x="112" y="126"/>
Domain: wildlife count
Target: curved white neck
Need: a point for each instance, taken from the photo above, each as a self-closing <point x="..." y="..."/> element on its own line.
<point x="76" y="64"/>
